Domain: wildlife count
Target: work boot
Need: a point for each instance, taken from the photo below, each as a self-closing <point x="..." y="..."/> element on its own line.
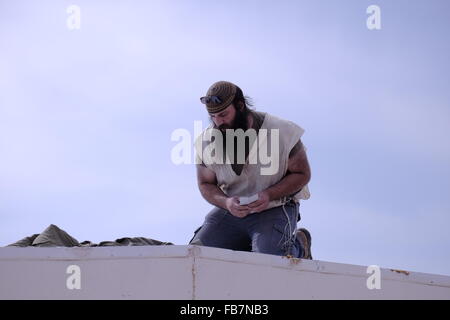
<point x="304" y="237"/>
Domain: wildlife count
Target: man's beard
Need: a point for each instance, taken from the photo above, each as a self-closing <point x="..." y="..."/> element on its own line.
<point x="240" y="122"/>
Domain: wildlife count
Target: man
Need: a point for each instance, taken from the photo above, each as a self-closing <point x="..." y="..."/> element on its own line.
<point x="230" y="175"/>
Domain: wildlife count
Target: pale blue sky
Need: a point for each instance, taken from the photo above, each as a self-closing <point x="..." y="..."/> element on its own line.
<point x="86" y="117"/>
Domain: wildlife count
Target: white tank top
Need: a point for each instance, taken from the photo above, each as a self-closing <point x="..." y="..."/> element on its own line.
<point x="257" y="174"/>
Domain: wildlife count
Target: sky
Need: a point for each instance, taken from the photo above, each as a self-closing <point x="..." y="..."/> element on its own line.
<point x="87" y="115"/>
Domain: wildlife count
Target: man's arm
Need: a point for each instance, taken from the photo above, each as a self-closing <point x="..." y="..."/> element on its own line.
<point x="207" y="183"/>
<point x="297" y="176"/>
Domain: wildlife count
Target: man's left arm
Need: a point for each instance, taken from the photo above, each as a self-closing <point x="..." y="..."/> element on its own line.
<point x="297" y="176"/>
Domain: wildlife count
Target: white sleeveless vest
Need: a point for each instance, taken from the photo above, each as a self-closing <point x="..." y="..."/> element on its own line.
<point x="256" y="175"/>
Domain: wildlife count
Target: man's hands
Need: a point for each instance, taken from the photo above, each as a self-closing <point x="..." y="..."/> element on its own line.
<point x="235" y="208"/>
<point x="261" y="204"/>
<point x="241" y="211"/>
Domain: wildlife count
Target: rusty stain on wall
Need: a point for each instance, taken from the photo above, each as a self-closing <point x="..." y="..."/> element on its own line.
<point x="400" y="271"/>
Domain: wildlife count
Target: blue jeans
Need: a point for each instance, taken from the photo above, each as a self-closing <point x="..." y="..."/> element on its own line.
<point x="271" y="231"/>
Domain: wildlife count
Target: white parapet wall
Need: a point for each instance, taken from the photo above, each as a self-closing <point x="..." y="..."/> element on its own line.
<point x="194" y="272"/>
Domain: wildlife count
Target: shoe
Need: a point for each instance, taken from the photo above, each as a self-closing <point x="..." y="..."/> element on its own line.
<point x="304" y="237"/>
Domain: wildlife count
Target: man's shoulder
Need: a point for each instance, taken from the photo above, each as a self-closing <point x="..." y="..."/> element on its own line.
<point x="275" y="122"/>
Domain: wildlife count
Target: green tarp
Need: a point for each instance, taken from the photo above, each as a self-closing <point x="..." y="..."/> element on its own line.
<point x="56" y="237"/>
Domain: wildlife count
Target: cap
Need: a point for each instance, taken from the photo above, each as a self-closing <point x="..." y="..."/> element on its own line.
<point x="219" y="96"/>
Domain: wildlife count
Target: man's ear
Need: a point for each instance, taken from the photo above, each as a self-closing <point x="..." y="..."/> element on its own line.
<point x="241" y="105"/>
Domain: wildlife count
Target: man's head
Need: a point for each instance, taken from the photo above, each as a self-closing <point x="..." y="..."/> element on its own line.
<point x="227" y="106"/>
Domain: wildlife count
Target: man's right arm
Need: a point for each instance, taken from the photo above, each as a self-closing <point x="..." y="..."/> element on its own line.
<point x="207" y="183"/>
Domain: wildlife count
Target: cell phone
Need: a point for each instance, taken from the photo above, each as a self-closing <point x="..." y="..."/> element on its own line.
<point x="246" y="200"/>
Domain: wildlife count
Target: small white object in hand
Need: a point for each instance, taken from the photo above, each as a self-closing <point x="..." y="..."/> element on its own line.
<point x="246" y="200"/>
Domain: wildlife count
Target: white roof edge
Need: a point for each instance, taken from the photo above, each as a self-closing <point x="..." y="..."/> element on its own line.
<point x="198" y="252"/>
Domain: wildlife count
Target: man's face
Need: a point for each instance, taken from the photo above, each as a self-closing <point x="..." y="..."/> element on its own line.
<point x="225" y="119"/>
<point x="230" y="118"/>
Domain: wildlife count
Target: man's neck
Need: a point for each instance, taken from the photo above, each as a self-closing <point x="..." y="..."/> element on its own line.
<point x="255" y="120"/>
<point x="251" y="121"/>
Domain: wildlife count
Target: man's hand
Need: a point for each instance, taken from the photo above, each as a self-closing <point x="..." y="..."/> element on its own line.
<point x="261" y="204"/>
<point x="235" y="208"/>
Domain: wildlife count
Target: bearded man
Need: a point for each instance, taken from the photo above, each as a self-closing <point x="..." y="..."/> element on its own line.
<point x="255" y="208"/>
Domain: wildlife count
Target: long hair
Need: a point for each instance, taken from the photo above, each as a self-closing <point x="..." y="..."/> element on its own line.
<point x="240" y="99"/>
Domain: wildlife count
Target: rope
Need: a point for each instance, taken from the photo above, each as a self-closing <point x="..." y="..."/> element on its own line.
<point x="290" y="232"/>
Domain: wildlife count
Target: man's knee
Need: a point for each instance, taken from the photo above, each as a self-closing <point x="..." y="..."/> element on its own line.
<point x="195" y="239"/>
<point x="196" y="242"/>
<point x="277" y="241"/>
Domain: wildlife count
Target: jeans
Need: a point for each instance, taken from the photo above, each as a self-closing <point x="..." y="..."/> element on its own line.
<point x="271" y="231"/>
